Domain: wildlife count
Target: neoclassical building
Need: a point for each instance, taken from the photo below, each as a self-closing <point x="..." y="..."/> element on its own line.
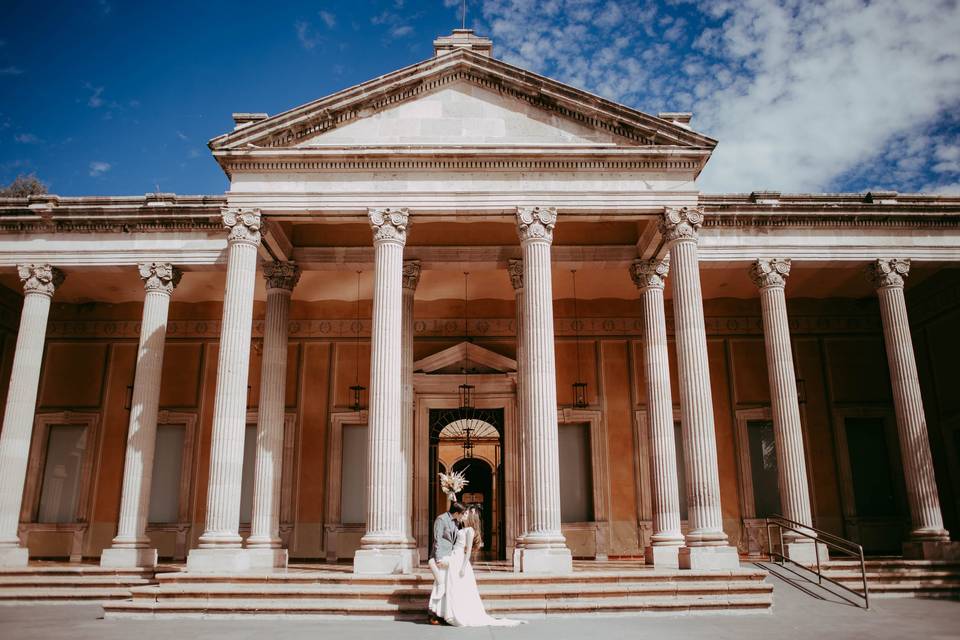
<point x="465" y="266"/>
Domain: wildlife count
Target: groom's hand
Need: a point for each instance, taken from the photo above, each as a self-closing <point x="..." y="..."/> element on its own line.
<point x="443" y="564"/>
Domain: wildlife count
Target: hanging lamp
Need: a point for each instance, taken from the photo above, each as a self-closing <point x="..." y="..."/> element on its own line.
<point x="579" y="387"/>
<point x="357" y="389"/>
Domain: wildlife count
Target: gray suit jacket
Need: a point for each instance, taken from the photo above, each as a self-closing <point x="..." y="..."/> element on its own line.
<point x="444" y="536"/>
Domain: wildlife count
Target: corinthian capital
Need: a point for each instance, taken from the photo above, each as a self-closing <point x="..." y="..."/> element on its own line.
<point x="536" y="223"/>
<point x="243" y="225"/>
<point x="389" y="225"/>
<point x="411" y="274"/>
<point x="888" y="272"/>
<point x="650" y="274"/>
<point x="40" y="278"/>
<point x="281" y="275"/>
<point x="770" y="272"/>
<point x="681" y="223"/>
<point x="159" y="277"/>
<point x="515" y="269"/>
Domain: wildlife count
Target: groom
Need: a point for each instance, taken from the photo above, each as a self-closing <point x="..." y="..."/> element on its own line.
<point x="445" y="529"/>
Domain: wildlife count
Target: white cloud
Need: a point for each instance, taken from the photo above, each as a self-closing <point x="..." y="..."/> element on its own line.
<point x="98" y="168"/>
<point x="328" y="18"/>
<point x="10" y="71"/>
<point x="26" y="138"/>
<point x="95" y="100"/>
<point x="401" y="31"/>
<point x="305" y="34"/>
<point x="798" y="93"/>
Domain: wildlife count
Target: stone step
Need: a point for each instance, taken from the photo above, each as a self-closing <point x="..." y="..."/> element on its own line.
<point x="61" y="594"/>
<point x="7" y="581"/>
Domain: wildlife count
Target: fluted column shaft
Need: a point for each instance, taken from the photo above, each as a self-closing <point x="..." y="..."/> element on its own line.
<point x="281" y="278"/>
<point x="411" y="277"/>
<point x="888" y="276"/>
<point x="515" y="269"/>
<point x="770" y="276"/>
<point x="649" y="277"/>
<point x="539" y="387"/>
<point x="385" y="527"/>
<point x="39" y="284"/>
<point x="159" y="283"/>
<point x="233" y="363"/>
<point x="679" y="228"/>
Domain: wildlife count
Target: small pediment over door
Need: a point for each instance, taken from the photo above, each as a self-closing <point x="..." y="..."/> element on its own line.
<point x="478" y="360"/>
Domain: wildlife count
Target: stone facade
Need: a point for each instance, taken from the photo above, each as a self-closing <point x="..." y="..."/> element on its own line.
<point x="736" y="361"/>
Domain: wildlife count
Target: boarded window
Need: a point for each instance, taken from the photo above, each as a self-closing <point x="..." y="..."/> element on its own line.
<point x="66" y="444"/>
<point x="246" y="484"/>
<point x="681" y="468"/>
<point x="167" y="473"/>
<point x="870" y="467"/>
<point x="576" y="479"/>
<point x="353" y="476"/>
<point x="763" y="468"/>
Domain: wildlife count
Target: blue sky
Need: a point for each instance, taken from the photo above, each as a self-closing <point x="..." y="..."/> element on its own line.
<point x="113" y="97"/>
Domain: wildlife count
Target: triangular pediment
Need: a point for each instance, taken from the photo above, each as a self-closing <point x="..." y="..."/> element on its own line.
<point x="466" y="99"/>
<point x="478" y="360"/>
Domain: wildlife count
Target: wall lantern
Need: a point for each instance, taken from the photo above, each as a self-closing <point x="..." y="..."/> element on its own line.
<point x="579" y="387"/>
<point x="357" y="389"/>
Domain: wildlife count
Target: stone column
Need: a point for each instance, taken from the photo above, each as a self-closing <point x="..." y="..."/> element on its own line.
<point x="264" y="546"/>
<point x="928" y="539"/>
<point x="515" y="269"/>
<point x="39" y="283"/>
<point x="384" y="548"/>
<point x="770" y="275"/>
<point x="544" y="547"/>
<point x="706" y="543"/>
<point x="131" y="547"/>
<point x="663" y="551"/>
<point x="411" y="277"/>
<point x="220" y="545"/>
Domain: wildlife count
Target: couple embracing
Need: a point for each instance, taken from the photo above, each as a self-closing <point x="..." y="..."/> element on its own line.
<point x="455" y="599"/>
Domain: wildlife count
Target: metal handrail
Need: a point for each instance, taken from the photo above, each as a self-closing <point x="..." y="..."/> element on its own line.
<point x="832" y="541"/>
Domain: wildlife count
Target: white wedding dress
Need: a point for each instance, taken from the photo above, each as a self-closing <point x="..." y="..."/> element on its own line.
<point x="456" y="599"/>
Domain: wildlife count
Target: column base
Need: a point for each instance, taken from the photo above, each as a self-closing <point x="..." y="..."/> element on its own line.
<point x="556" y="560"/>
<point x="385" y="561"/>
<point x="805" y="553"/>
<point x="931" y="551"/>
<point x="229" y="560"/>
<point x="268" y="558"/>
<point x="662" y="557"/>
<point x="708" y="558"/>
<point x="14" y="556"/>
<point x="121" y="558"/>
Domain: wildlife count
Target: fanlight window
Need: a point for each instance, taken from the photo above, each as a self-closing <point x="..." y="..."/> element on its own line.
<point x="479" y="430"/>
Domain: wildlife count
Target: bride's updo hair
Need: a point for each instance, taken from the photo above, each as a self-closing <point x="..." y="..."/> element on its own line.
<point x="456" y="507"/>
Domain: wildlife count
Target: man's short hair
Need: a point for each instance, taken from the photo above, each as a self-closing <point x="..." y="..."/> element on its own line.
<point x="456" y="507"/>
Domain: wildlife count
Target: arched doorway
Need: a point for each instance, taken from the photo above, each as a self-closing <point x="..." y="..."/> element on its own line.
<point x="452" y="431"/>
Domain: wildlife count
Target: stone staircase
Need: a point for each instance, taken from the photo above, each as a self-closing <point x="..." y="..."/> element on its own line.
<point x="69" y="583"/>
<point x="328" y="593"/>
<point x="899" y="578"/>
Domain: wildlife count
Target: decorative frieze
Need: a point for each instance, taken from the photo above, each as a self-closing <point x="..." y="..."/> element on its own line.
<point x="243" y="225"/>
<point x="411" y="274"/>
<point x="389" y="225"/>
<point x="888" y="272"/>
<point x="681" y="223"/>
<point x="770" y="272"/>
<point x="650" y="273"/>
<point x="159" y="277"/>
<point x="536" y="223"/>
<point x="40" y="278"/>
<point x="281" y="275"/>
<point x="515" y="270"/>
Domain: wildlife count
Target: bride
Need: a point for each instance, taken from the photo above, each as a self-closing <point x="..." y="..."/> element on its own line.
<point x="455" y="597"/>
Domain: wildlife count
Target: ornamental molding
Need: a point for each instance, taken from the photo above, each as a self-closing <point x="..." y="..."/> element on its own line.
<point x="834" y="219"/>
<point x="243" y="226"/>
<point x="681" y="223"/>
<point x="42" y="279"/>
<point x="515" y="270"/>
<point x="536" y="223"/>
<point x="411" y="274"/>
<point x="389" y="225"/>
<point x="159" y="277"/>
<point x="650" y="274"/>
<point x="888" y="272"/>
<point x="770" y="272"/>
<point x="346" y="329"/>
<point x="281" y="275"/>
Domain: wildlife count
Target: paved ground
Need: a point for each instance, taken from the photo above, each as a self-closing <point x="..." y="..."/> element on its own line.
<point x="803" y="613"/>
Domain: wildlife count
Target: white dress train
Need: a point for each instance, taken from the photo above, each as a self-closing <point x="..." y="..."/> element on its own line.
<point x="456" y="599"/>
